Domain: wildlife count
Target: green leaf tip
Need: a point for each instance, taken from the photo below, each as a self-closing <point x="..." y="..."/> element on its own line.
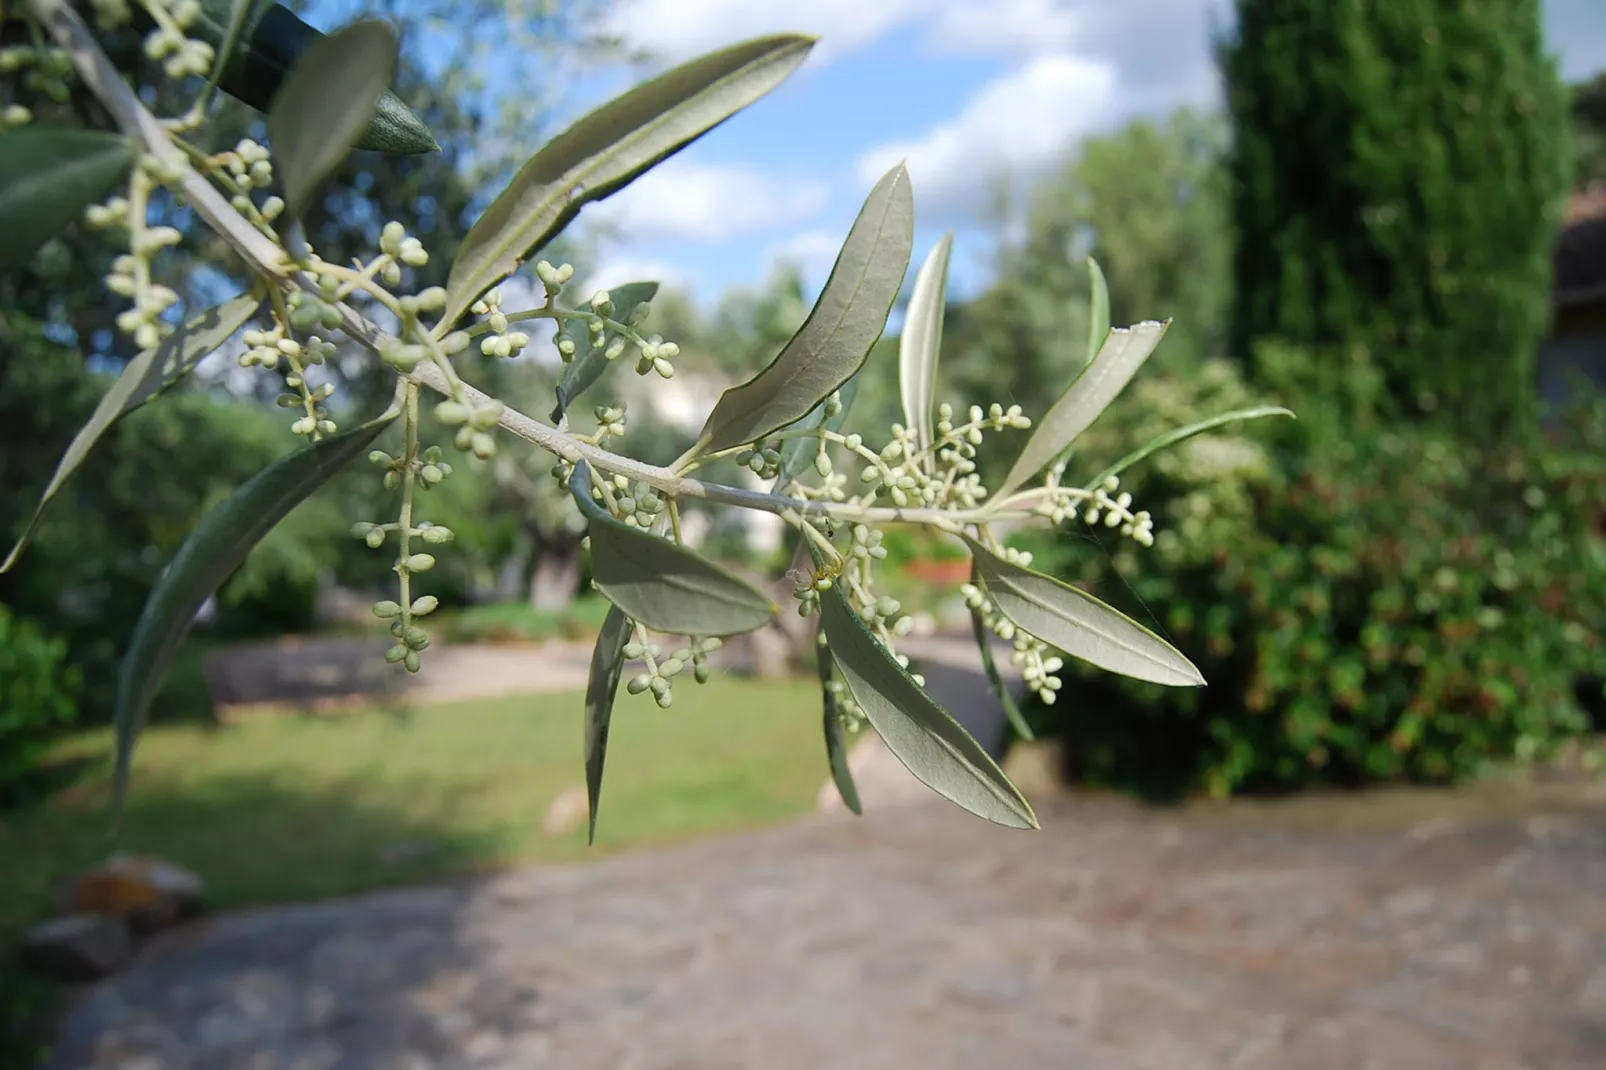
<point x="1080" y="624"/>
<point x="835" y="340"/>
<point x="327" y="102"/>
<point x="262" y="52"/>
<point x="920" y="733"/>
<point x="607" y="665"/>
<point x="608" y="149"/>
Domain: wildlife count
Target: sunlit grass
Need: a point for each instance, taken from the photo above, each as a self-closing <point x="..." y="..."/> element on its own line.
<point x="284" y="807"/>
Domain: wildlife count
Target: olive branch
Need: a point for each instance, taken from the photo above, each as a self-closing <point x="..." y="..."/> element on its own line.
<point x="785" y="423"/>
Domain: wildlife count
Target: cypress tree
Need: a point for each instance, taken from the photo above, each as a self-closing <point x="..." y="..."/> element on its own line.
<point x="1398" y="171"/>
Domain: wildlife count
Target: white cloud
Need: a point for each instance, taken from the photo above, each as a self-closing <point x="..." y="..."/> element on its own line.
<point x="1005" y="27"/>
<point x="708" y="202"/>
<point x="812" y="251"/>
<point x="681" y="28"/>
<point x="1016" y="124"/>
<point x="618" y="270"/>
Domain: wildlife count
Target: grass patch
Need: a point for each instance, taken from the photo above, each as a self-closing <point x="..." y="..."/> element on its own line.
<point x="285" y="808"/>
<point x="519" y="622"/>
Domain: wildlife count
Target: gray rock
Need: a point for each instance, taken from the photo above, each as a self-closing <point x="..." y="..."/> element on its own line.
<point x="569" y="811"/>
<point x="149" y="893"/>
<point x="882" y="780"/>
<point x="772" y="654"/>
<point x="77" y="947"/>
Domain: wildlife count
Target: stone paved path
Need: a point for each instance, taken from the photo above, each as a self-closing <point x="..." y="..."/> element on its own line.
<point x="1364" y="936"/>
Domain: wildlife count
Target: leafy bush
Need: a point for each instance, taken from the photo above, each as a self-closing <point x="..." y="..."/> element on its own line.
<point x="38" y="693"/>
<point x="905" y="543"/>
<point x="1380" y="604"/>
<point x="519" y="622"/>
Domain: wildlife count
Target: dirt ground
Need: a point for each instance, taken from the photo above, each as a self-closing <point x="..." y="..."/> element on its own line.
<point x="1388" y="931"/>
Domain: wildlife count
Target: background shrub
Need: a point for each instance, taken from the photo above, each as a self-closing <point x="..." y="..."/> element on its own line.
<point x="38" y="698"/>
<point x="1368" y="600"/>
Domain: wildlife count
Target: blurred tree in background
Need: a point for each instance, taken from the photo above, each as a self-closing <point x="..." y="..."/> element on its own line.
<point x="1589" y="131"/>
<point x="123" y="515"/>
<point x="1397" y="175"/>
<point x="1149" y="203"/>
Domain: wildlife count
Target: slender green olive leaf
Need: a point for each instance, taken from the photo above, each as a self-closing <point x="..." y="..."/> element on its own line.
<point x="395" y="129"/>
<point x="610" y="148"/>
<point x="1182" y="434"/>
<point x="924" y="737"/>
<point x="587" y="364"/>
<point x="1098" y="320"/>
<point x="834" y="341"/>
<point x="836" y="747"/>
<point x="326" y="103"/>
<point x="213" y="550"/>
<point x="1079" y="624"/>
<point x="607" y="665"/>
<point x="144" y="377"/>
<point x="661" y="584"/>
<point x="233" y="31"/>
<point x="799" y="453"/>
<point x="1012" y="714"/>
<point x="1122" y="354"/>
<point x="269" y="44"/>
<point x="921" y="342"/>
<point x="48" y="176"/>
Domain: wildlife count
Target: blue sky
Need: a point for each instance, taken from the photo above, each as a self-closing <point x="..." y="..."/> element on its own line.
<point x="956" y="87"/>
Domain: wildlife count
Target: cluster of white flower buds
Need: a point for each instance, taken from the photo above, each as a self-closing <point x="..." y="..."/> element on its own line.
<point x="395" y="243"/>
<point x="131" y="273"/>
<point x="430" y="468"/>
<point x="639" y="506"/>
<point x="110" y="14"/>
<point x="883" y="615"/>
<point x="262" y="347"/>
<point x="321" y="310"/>
<point x="250" y="167"/>
<point x="179" y="54"/>
<point x="374" y="535"/>
<point x="764" y="461"/>
<point x="867" y="543"/>
<point x="1104" y="506"/>
<point x="901" y="474"/>
<point x="411" y="639"/>
<point x="610" y="421"/>
<point x="553" y="278"/>
<point x="500" y="342"/>
<point x="849" y="714"/>
<point x="474" y="425"/>
<point x="1038" y="666"/>
<point x="47" y="71"/>
<point x="808" y="593"/>
<point x="661" y="672"/>
<point x="654" y="354"/>
<point x="271" y="347"/>
<point x="143" y="320"/>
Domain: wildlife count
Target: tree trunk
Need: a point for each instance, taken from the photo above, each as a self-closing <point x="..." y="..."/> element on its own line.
<point x="555" y="577"/>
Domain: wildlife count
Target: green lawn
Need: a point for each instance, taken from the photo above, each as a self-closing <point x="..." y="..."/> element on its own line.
<point x="292" y="808"/>
<point x="519" y="622"/>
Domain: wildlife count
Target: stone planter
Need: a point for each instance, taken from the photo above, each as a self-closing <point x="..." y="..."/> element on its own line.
<point x="942" y="572"/>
